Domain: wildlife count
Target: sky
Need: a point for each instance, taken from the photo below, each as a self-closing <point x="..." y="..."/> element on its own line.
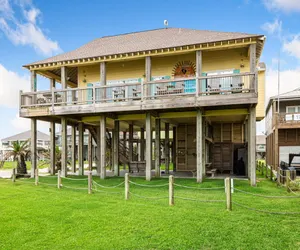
<point x="32" y="30"/>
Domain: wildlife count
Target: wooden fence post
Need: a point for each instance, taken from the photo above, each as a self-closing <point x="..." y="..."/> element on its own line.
<point x="171" y="190"/>
<point x="13" y="177"/>
<point x="126" y="186"/>
<point x="90" y="178"/>
<point x="228" y="194"/>
<point x="288" y="179"/>
<point x="36" y="176"/>
<point x="59" y="179"/>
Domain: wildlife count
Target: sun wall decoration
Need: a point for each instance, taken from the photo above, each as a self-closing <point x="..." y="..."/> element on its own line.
<point x="184" y="69"/>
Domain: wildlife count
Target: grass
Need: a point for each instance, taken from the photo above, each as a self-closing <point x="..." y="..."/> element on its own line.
<point x="43" y="217"/>
<point x="13" y="164"/>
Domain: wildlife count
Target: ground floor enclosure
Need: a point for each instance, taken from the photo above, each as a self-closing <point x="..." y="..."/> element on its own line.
<point x="204" y="142"/>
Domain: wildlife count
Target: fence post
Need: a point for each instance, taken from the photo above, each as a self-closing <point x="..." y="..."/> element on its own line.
<point x="266" y="171"/>
<point x="171" y="190"/>
<point x="288" y="179"/>
<point x="228" y="193"/>
<point x="126" y="186"/>
<point x="59" y="179"/>
<point x="262" y="168"/>
<point x="13" y="177"/>
<point x="36" y="176"/>
<point x="90" y="178"/>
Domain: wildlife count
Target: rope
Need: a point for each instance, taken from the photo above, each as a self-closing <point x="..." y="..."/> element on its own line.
<point x="217" y="188"/>
<point x="147" y="197"/>
<point x="292" y="191"/>
<point x="48" y="184"/>
<point x="190" y="199"/>
<point x="27" y="182"/>
<point x="120" y="184"/>
<point x="72" y="179"/>
<point x="264" y="211"/>
<point x="74" y="188"/>
<point x="266" y="196"/>
<point x="101" y="191"/>
<point x="144" y="185"/>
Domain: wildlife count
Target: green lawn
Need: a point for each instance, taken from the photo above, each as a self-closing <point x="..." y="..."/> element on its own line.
<point x="43" y="217"/>
<point x="13" y="164"/>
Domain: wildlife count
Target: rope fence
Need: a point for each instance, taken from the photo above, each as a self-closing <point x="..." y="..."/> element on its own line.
<point x="93" y="186"/>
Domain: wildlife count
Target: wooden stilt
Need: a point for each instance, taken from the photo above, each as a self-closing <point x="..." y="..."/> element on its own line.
<point x="157" y="148"/>
<point x="148" y="146"/>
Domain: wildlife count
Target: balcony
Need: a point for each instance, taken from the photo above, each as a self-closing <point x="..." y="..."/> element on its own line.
<point x="288" y="120"/>
<point x="233" y="89"/>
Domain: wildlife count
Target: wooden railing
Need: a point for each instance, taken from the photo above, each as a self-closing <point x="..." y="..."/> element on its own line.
<point x="289" y="118"/>
<point x="200" y="86"/>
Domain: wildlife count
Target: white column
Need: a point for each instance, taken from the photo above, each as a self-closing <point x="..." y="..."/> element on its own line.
<point x="199" y="146"/>
<point x="148" y="146"/>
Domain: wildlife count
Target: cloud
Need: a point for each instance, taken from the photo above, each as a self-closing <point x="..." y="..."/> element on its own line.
<point x="293" y="47"/>
<point x="10" y="85"/>
<point x="26" y="31"/>
<point x="274" y="28"/>
<point x="282" y="5"/>
<point x="23" y="124"/>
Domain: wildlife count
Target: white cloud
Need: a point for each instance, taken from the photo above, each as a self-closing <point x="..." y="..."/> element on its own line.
<point x="23" y="124"/>
<point x="27" y="31"/>
<point x="283" y="5"/>
<point x="274" y="28"/>
<point x="10" y="85"/>
<point x="293" y="47"/>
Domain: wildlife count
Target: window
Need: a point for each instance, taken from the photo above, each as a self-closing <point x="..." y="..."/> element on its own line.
<point x="293" y="109"/>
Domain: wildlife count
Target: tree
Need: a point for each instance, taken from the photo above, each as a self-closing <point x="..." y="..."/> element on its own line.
<point x="19" y="152"/>
<point x="47" y="155"/>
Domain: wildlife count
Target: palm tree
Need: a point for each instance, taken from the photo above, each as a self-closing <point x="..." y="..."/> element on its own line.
<point x="47" y="155"/>
<point x="19" y="152"/>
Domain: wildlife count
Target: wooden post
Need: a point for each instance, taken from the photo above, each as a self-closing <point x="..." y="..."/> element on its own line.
<point x="262" y="168"/>
<point x="13" y="177"/>
<point x="33" y="141"/>
<point x="148" y="146"/>
<point x="157" y="148"/>
<point x="90" y="179"/>
<point x="167" y="147"/>
<point x="253" y="66"/>
<point x="142" y="148"/>
<point x="228" y="194"/>
<point x="102" y="147"/>
<point x="64" y="147"/>
<point x="127" y="194"/>
<point x="116" y="147"/>
<point x="73" y="149"/>
<point x="59" y="179"/>
<point x="288" y="180"/>
<point x="252" y="145"/>
<point x="52" y="148"/>
<point x="80" y="148"/>
<point x="64" y="83"/>
<point x="171" y="190"/>
<point x="98" y="151"/>
<point x="174" y="153"/>
<point x="198" y="72"/>
<point x="90" y="152"/>
<point x="102" y="79"/>
<point x="37" y="177"/>
<point x="199" y="146"/>
<point x="148" y="75"/>
<point x="130" y="142"/>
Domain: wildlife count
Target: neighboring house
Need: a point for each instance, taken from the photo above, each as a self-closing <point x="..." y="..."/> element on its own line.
<point x="43" y="142"/>
<point x="205" y="86"/>
<point x="283" y="129"/>
<point x="260" y="146"/>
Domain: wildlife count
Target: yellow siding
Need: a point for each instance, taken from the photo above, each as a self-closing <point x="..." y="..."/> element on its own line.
<point x="260" y="108"/>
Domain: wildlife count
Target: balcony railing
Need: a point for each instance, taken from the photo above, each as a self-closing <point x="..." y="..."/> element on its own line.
<point x="200" y="86"/>
<point x="289" y="118"/>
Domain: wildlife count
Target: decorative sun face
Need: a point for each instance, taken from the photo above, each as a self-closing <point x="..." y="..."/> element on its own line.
<point x="184" y="69"/>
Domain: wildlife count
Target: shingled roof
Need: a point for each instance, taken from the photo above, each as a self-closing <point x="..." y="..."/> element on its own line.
<point x="143" y="41"/>
<point x="26" y="136"/>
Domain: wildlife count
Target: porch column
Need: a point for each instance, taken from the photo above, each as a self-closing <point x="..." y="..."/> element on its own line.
<point x="90" y="151"/>
<point x="252" y="55"/>
<point x="199" y="146"/>
<point x="148" y="74"/>
<point x="252" y="145"/>
<point x="64" y="147"/>
<point x="102" y="79"/>
<point x="174" y="153"/>
<point x="130" y="142"/>
<point x="80" y="148"/>
<point x="33" y="140"/>
<point x="98" y="151"/>
<point x="64" y="82"/>
<point x="198" y="72"/>
<point x="167" y="147"/>
<point x="73" y="148"/>
<point x="148" y="146"/>
<point x="142" y="146"/>
<point x="52" y="148"/>
<point x="116" y="135"/>
<point x="124" y="143"/>
<point x="157" y="148"/>
<point x="102" y="147"/>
